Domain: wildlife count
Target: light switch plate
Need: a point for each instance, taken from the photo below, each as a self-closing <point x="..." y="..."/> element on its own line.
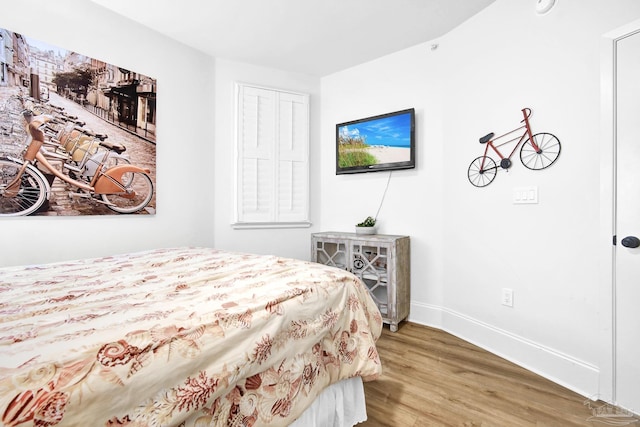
<point x="525" y="195"/>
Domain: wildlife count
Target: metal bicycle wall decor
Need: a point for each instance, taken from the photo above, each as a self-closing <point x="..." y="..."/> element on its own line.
<point x="538" y="152"/>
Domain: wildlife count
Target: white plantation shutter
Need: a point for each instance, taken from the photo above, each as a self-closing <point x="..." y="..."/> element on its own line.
<point x="255" y="142"/>
<point x="272" y="164"/>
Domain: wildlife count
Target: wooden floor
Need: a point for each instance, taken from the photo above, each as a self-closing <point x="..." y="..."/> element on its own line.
<point x="431" y="378"/>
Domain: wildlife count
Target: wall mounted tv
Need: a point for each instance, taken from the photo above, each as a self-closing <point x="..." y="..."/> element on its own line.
<point x="378" y="143"/>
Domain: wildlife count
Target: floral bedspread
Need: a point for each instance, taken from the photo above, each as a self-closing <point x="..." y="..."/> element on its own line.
<point x="178" y="337"/>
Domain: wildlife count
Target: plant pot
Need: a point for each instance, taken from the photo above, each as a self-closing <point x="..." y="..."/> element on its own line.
<point x="365" y="230"/>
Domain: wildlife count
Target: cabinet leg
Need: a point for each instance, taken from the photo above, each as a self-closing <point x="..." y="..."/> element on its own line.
<point x="393" y="327"/>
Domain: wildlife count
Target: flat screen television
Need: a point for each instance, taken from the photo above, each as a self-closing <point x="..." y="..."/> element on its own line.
<point x="378" y="143"/>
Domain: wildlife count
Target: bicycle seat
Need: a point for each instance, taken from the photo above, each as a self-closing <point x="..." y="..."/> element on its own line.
<point x="486" y="138"/>
<point x="118" y="148"/>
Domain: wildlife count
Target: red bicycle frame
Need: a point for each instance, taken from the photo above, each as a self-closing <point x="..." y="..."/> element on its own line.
<point x="526" y="112"/>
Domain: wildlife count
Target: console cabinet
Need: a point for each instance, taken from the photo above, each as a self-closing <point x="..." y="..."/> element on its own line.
<point x="381" y="261"/>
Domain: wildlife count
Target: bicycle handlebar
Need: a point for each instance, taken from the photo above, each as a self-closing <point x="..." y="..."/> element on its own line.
<point x="527" y="113"/>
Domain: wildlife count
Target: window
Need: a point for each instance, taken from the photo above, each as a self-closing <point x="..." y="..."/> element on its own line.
<point x="272" y="158"/>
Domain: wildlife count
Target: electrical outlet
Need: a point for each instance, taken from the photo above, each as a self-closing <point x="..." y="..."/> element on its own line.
<point x="507" y="297"/>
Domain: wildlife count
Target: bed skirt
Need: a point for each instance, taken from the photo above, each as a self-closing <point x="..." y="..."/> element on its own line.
<point x="340" y="405"/>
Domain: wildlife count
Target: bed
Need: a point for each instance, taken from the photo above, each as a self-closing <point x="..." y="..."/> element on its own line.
<point x="182" y="337"/>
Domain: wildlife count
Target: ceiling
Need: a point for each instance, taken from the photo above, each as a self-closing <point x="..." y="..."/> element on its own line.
<point x="315" y="37"/>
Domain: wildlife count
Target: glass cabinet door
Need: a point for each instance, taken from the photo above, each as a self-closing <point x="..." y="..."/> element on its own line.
<point x="333" y="253"/>
<point x="370" y="263"/>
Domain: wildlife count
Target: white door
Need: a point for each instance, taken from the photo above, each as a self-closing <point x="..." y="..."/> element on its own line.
<point x="627" y="263"/>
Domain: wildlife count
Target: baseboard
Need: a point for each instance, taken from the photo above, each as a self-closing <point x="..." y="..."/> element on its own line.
<point x="569" y="372"/>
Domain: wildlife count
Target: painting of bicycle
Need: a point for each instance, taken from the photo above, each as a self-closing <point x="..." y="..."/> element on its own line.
<point x="77" y="134"/>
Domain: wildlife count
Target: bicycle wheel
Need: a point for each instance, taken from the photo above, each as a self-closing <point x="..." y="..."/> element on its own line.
<point x="480" y="175"/>
<point x="142" y="192"/>
<point x="31" y="194"/>
<point x="547" y="153"/>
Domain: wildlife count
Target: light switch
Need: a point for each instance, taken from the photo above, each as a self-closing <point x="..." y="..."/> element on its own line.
<point x="525" y="195"/>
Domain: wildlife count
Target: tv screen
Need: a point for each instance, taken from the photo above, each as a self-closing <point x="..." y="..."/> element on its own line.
<point x="378" y="143"/>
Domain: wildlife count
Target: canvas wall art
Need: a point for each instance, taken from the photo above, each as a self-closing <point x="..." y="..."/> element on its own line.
<point x="77" y="134"/>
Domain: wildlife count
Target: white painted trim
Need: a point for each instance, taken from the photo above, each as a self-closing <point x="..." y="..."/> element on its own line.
<point x="275" y="218"/>
<point x="254" y="225"/>
<point x="574" y="374"/>
<point x="426" y="314"/>
<point x="607" y="223"/>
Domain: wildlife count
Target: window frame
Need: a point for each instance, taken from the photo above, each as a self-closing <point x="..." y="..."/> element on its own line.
<point x="299" y="197"/>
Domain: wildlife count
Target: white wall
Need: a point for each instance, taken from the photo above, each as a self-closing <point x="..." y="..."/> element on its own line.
<point x="469" y="243"/>
<point x="413" y="204"/>
<point x="291" y="242"/>
<point x="194" y="149"/>
<point x="184" y="175"/>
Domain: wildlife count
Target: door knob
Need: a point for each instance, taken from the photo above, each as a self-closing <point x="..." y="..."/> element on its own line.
<point x="631" y="242"/>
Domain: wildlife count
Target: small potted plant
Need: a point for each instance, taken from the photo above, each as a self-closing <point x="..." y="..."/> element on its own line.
<point x="368" y="226"/>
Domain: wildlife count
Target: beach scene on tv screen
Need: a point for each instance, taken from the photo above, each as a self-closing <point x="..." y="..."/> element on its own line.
<point x="374" y="142"/>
